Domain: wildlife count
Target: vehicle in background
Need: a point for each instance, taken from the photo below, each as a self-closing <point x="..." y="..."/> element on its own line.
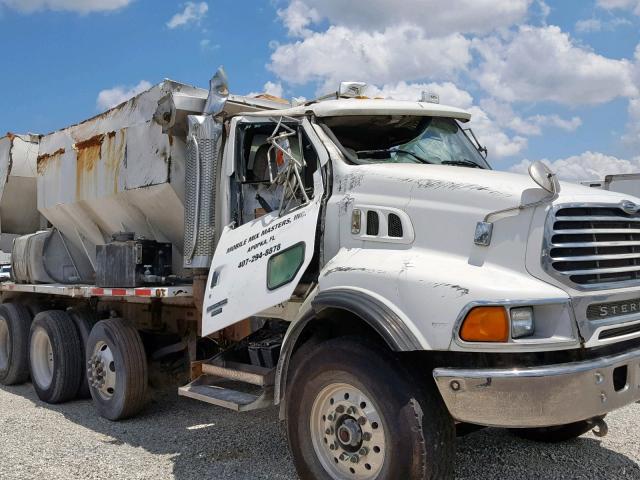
<point x="355" y="261"/>
<point x="628" y="183"/>
<point x="5" y="272"/>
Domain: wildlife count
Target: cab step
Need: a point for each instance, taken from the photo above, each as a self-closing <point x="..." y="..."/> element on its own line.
<point x="241" y="372"/>
<point x="237" y="386"/>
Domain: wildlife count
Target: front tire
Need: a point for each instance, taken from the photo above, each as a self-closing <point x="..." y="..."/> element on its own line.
<point x="117" y="369"/>
<point x="353" y="412"/>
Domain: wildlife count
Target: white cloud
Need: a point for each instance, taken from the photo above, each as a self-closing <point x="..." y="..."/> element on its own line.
<point x="274" y="89"/>
<point x="544" y="64"/>
<point x="586" y="166"/>
<point x="270" y="88"/>
<point x="449" y="94"/>
<point x="465" y="16"/>
<point x="207" y="46"/>
<point x="497" y="141"/>
<point x="589" y="25"/>
<point x="81" y="6"/>
<point x="297" y="17"/>
<point x="115" y="96"/>
<point x="596" y="25"/>
<point x="192" y="13"/>
<point x="402" y="52"/>
<point x="631" y="136"/>
<point x="633" y="5"/>
<point x="527" y="126"/>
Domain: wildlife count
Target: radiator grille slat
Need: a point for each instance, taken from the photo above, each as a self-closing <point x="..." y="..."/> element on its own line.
<point x="595" y="246"/>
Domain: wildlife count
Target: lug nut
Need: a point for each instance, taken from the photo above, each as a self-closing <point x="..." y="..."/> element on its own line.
<point x="351" y="410"/>
<point x="330" y="417"/>
<point x="366" y="436"/>
<point x="355" y="459"/>
<point x="362" y="420"/>
<point x="363" y="451"/>
<point x="332" y="447"/>
<point x="340" y="409"/>
<point x="344" y="457"/>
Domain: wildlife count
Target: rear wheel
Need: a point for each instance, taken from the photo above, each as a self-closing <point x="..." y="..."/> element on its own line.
<point x="117" y="369"/>
<point x="352" y="412"/>
<point x="55" y="356"/>
<point x="15" y="321"/>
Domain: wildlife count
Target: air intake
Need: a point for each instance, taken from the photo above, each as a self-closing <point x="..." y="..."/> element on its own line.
<point x="395" y="226"/>
<point x="373" y="223"/>
<point x="203" y="147"/>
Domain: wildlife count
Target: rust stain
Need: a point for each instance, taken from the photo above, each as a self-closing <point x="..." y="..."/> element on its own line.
<point x="87" y="157"/>
<point x="113" y="153"/>
<point x="170" y="139"/>
<point x="43" y="161"/>
<point x="11" y="136"/>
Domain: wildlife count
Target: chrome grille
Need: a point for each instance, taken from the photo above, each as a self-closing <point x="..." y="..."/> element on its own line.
<point x="594" y="246"/>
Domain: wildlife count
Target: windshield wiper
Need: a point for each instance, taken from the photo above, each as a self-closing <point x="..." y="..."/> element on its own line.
<point x="462" y="163"/>
<point x="396" y="150"/>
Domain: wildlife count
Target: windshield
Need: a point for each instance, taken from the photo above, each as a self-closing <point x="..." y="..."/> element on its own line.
<point x="404" y="139"/>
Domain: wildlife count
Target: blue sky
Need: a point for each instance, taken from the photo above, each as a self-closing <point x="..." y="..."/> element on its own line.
<point x="552" y="80"/>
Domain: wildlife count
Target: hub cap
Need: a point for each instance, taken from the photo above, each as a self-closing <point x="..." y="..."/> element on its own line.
<point x="347" y="433"/>
<point x="41" y="355"/>
<point x="102" y="371"/>
<point x="4" y="344"/>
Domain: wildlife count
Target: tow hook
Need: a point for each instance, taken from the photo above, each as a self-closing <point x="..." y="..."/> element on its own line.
<point x="600" y="428"/>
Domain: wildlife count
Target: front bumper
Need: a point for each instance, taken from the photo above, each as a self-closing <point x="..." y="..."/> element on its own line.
<point x="541" y="396"/>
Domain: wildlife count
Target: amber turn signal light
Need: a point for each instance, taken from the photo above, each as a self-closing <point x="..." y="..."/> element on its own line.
<point x="485" y="324"/>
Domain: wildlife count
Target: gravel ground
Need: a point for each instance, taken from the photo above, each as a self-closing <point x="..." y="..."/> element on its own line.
<point x="184" y="439"/>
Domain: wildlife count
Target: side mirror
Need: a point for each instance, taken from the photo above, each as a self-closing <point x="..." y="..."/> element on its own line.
<point x="544" y="177"/>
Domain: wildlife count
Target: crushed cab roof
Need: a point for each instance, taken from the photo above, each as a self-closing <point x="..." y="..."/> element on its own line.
<point x="356" y="106"/>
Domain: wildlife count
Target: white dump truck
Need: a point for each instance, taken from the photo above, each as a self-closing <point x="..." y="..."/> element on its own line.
<point x="355" y="261"/>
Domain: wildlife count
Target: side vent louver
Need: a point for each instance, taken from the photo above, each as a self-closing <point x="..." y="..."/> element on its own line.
<point x="395" y="226"/>
<point x="373" y="223"/>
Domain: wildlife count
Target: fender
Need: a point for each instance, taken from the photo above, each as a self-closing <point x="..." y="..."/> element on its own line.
<point x="382" y="319"/>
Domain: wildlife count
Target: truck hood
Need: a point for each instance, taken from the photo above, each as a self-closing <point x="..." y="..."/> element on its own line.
<point x="446" y="202"/>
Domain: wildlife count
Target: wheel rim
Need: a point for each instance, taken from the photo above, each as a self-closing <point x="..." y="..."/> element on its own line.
<point x="102" y="371"/>
<point x="41" y="355"/>
<point x="347" y="433"/>
<point x="4" y="344"/>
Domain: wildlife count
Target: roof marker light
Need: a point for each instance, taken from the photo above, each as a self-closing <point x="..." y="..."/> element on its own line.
<point x="429" y="97"/>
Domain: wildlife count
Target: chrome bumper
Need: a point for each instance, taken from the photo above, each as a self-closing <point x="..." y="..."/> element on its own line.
<point x="540" y="396"/>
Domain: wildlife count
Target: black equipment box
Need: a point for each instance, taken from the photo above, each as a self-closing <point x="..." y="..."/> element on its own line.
<point x="265" y="353"/>
<point x="129" y="263"/>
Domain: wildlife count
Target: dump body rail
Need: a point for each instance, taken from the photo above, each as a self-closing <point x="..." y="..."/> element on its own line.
<point x="87" y="291"/>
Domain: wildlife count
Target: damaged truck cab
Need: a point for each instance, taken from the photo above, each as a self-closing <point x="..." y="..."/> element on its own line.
<point x="383" y="285"/>
<point x="414" y="302"/>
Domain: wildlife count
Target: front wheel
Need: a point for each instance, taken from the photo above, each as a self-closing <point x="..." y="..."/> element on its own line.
<point x="352" y="412"/>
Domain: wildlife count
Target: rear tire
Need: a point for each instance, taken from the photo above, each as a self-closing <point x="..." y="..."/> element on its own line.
<point x="352" y="411"/>
<point x="555" y="434"/>
<point x="55" y="356"/>
<point x="84" y="321"/>
<point x="15" y="321"/>
<point x="117" y="369"/>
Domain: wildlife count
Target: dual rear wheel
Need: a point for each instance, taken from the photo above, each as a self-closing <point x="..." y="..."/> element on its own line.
<point x="67" y="356"/>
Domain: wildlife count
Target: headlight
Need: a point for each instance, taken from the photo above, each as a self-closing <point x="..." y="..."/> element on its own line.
<point x="522" y="322"/>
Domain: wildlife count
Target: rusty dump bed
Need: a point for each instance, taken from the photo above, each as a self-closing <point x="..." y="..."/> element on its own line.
<point x="87" y="291"/>
<point x="118" y="171"/>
